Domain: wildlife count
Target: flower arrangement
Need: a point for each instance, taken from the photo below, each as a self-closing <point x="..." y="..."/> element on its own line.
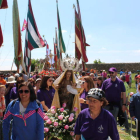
<point x="60" y="123"/>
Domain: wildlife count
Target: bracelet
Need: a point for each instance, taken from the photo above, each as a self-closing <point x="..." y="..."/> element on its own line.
<point x="85" y="102"/>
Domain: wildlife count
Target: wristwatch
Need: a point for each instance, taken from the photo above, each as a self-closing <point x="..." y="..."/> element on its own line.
<point x="85" y="102"/>
<point x="124" y="104"/>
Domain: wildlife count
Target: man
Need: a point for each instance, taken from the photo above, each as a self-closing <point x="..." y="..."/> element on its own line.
<point x="123" y="78"/>
<point x="113" y="88"/>
<point x="122" y="72"/>
<point x="9" y="85"/>
<point x="25" y="77"/>
<point x="136" y="79"/>
<point x="2" y="81"/>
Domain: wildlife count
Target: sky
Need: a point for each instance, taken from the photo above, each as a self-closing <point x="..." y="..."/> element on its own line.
<point x="112" y="28"/>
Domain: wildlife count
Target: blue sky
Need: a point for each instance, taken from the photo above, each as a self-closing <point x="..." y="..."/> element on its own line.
<point x="112" y="28"/>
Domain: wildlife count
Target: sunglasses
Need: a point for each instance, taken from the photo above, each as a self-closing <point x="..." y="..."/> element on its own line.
<point x="111" y="72"/>
<point x="25" y="91"/>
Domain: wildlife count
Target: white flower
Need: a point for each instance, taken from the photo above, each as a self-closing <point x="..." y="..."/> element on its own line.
<point x="64" y="121"/>
<point x="56" y="114"/>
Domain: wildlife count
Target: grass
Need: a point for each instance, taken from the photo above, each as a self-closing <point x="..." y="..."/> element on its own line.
<point x="124" y="135"/>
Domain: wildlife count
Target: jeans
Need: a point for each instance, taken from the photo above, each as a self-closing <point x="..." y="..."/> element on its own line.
<point x="114" y="112"/>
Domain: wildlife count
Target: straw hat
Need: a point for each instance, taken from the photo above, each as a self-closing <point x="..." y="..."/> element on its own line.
<point x="11" y="79"/>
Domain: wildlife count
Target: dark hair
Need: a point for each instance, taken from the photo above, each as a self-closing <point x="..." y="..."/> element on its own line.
<point x="101" y="79"/>
<point x="83" y="73"/>
<point x="105" y="102"/>
<point x="90" y="82"/>
<point x="43" y="84"/>
<point x="32" y="92"/>
<point x="71" y="78"/>
<point x="19" y="81"/>
<point x="123" y="77"/>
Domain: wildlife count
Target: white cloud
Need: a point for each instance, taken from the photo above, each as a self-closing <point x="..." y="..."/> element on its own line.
<point x="64" y="31"/>
<point x="103" y="48"/>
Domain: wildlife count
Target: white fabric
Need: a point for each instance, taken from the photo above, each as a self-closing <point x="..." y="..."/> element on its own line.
<point x="22" y="109"/>
<point x="71" y="90"/>
<point x="33" y="34"/>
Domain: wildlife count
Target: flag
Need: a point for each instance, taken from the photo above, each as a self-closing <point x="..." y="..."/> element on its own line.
<point x="3" y="4"/>
<point x="78" y="50"/>
<point x="1" y="37"/>
<point x="33" y="39"/>
<point x="81" y="38"/>
<point x="18" y="58"/>
<point x="24" y="25"/>
<point x="60" y="37"/>
<point x="55" y="55"/>
<point x="56" y="45"/>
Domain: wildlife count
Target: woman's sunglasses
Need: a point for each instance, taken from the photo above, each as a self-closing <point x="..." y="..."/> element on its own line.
<point x="25" y="91"/>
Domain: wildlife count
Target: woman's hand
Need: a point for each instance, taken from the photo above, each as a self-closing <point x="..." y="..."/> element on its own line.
<point x="82" y="100"/>
<point x="73" y="84"/>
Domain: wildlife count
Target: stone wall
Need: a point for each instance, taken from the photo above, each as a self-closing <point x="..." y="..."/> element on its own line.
<point x="130" y="66"/>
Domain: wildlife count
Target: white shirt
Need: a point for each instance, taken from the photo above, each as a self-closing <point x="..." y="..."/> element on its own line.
<point x="21" y="109"/>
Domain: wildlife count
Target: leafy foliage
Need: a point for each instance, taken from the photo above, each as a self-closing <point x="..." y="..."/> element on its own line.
<point x="97" y="61"/>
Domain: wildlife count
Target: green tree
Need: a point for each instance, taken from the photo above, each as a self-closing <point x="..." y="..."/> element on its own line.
<point x="97" y="61"/>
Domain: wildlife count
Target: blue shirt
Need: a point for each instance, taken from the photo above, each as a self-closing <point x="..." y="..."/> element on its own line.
<point x="96" y="129"/>
<point x="135" y="106"/>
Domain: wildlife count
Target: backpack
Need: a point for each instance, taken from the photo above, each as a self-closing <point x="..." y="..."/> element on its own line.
<point x="36" y="101"/>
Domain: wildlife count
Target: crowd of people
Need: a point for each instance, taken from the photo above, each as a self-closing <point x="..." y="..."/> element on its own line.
<point x="102" y="98"/>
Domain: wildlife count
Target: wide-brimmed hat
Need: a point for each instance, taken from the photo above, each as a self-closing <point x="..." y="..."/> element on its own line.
<point x="11" y="79"/>
<point x="96" y="93"/>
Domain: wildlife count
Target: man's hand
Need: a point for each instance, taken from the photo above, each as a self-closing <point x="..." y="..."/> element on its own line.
<point x="123" y="108"/>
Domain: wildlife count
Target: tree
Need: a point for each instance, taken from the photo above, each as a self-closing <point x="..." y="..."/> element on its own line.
<point x="36" y="63"/>
<point x="97" y="61"/>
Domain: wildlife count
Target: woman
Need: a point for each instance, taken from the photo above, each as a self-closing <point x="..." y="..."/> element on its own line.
<point x="46" y="92"/>
<point x="134" y="108"/>
<point x="37" y="85"/>
<point x="32" y="81"/>
<point x="87" y="85"/>
<point x="99" y="81"/>
<point x="27" y="115"/>
<point x="96" y="123"/>
<point x="14" y="90"/>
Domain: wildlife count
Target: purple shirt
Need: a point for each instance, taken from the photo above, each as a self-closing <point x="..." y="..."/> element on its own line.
<point x="99" y="128"/>
<point x="14" y="93"/>
<point x="83" y="95"/>
<point x="46" y="96"/>
<point x="113" y="89"/>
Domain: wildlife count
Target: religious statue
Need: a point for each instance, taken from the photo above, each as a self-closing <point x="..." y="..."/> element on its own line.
<point x="65" y="86"/>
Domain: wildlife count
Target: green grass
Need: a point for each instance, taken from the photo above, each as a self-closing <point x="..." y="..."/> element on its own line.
<point x="124" y="135"/>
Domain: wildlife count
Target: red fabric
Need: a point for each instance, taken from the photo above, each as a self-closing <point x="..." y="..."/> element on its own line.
<point x="1" y="37"/>
<point x="127" y="78"/>
<point x="82" y="36"/>
<point x="4" y="4"/>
